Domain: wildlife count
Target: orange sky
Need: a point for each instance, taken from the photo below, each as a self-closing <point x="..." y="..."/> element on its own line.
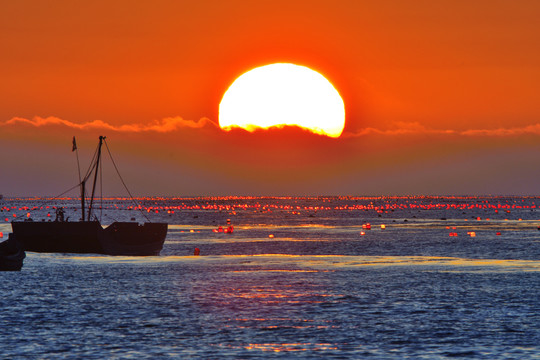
<point x="441" y="96"/>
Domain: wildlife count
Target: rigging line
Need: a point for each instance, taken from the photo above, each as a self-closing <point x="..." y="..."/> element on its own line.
<point x="74" y="187"/>
<point x="92" y="165"/>
<point x="82" y="183"/>
<point x="120" y="176"/>
<point x="57" y="196"/>
<point x="89" y="172"/>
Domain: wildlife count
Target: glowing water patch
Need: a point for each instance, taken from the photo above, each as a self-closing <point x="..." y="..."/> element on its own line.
<point x="308" y="263"/>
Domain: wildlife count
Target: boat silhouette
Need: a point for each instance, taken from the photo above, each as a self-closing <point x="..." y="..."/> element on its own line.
<point x="88" y="235"/>
<point x="11" y="254"/>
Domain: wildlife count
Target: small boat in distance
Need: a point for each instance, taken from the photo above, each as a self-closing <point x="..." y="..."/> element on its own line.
<point x="88" y="235"/>
<point x="11" y="254"/>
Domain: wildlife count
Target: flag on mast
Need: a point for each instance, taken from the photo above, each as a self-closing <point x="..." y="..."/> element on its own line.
<point x="74" y="145"/>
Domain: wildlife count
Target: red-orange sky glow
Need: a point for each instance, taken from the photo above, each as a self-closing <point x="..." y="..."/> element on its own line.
<point x="441" y="97"/>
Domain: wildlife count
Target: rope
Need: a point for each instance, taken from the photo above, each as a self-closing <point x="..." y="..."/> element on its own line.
<point x="87" y="176"/>
<point x="88" y="173"/>
<point x="65" y="192"/>
<point x="91" y="167"/>
<point x="48" y="201"/>
<point x="138" y="206"/>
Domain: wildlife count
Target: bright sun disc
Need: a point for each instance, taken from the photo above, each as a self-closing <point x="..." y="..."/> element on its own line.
<point x="283" y="94"/>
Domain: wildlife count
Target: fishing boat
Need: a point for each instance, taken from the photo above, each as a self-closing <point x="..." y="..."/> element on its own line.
<point x="88" y="235"/>
<point x="11" y="254"/>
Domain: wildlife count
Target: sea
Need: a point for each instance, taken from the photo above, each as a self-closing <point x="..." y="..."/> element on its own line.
<point x="419" y="277"/>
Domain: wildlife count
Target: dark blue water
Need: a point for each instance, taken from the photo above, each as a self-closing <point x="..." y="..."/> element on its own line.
<point x="296" y="279"/>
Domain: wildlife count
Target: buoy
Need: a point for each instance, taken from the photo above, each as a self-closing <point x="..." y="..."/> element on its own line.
<point x="362" y="233"/>
<point x="383" y="226"/>
<point x="271" y="236"/>
<point x="498" y="233"/>
<point x="196" y="252"/>
<point x="1" y="234"/>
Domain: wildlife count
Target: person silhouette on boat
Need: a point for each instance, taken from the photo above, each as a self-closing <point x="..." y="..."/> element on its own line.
<point x="60" y="215"/>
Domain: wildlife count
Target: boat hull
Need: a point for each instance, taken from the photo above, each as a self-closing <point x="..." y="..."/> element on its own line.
<point x="11" y="255"/>
<point x="89" y="237"/>
<point x="128" y="238"/>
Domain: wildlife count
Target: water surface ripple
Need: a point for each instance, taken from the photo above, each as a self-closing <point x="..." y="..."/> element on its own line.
<point x="318" y="288"/>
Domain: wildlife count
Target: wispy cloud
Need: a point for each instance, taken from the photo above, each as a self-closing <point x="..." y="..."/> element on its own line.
<point x="399" y="128"/>
<point x="164" y="125"/>
<point x="171" y="124"/>
<point x="516" y="131"/>
<point x="415" y="128"/>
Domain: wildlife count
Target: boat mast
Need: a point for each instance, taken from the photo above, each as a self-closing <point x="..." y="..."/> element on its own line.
<point x="82" y="198"/>
<point x="101" y="138"/>
<point x="81" y="182"/>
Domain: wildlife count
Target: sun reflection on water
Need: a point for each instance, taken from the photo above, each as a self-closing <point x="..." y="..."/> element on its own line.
<point x="287" y="263"/>
<point x="277" y="347"/>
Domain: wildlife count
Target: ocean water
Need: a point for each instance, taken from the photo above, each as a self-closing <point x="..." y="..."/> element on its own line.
<point x="303" y="278"/>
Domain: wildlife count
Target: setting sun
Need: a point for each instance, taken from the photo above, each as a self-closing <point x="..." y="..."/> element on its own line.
<point x="283" y="95"/>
